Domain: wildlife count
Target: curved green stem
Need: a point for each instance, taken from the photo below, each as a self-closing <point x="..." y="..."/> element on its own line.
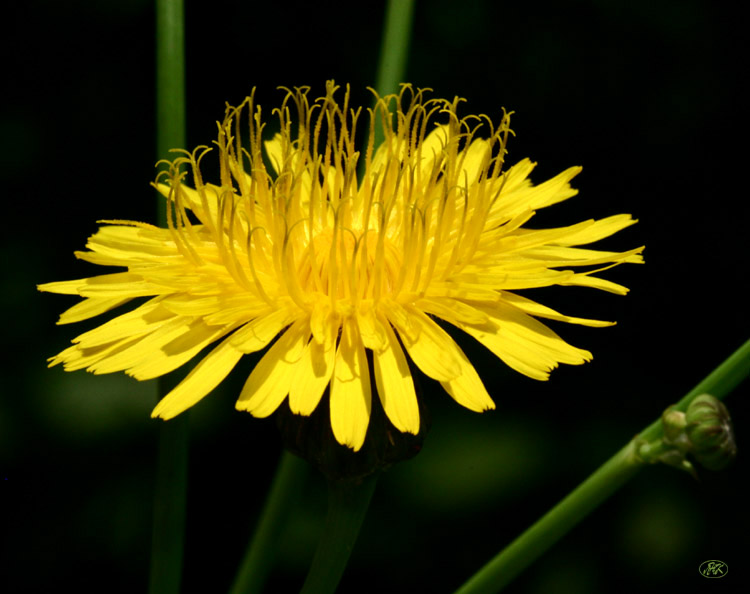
<point x="614" y="473"/>
<point x="257" y="563"/>
<point x="171" y="475"/>
<point x="347" y="507"/>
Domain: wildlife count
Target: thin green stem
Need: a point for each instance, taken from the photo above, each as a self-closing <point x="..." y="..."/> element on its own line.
<point x="170" y="82"/>
<point x="168" y="531"/>
<point x="394" y="51"/>
<point x="719" y="383"/>
<point x="347" y="507"/>
<point x="614" y="473"/>
<point x="168" y="535"/>
<point x="257" y="563"/>
<point x="501" y="570"/>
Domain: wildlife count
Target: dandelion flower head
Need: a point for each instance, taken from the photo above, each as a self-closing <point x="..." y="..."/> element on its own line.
<point x="293" y="249"/>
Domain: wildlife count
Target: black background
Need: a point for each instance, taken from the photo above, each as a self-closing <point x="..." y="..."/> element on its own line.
<point x="646" y="95"/>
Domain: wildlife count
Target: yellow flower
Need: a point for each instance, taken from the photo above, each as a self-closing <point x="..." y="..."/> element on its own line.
<point x="331" y="266"/>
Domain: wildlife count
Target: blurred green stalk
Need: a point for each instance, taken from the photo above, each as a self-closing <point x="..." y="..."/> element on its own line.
<point x="614" y="473"/>
<point x="347" y="507"/>
<point x="257" y="563"/>
<point x="168" y="534"/>
<point x="394" y="52"/>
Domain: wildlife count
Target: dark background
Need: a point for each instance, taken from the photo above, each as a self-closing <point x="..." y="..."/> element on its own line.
<point x="645" y="94"/>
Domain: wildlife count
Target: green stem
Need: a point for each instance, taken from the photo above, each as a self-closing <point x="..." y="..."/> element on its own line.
<point x="347" y="507"/>
<point x="719" y="383"/>
<point x="501" y="570"/>
<point x="170" y="81"/>
<point x="170" y="85"/>
<point x="614" y="473"/>
<point x="168" y="534"/>
<point x="288" y="483"/>
<point x="171" y="477"/>
<point x="394" y="51"/>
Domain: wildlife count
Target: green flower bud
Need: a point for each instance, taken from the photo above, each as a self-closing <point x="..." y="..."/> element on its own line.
<point x="673" y="424"/>
<point x="709" y="430"/>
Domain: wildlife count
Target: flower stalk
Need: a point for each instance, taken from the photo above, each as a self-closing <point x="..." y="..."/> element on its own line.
<point x="168" y="531"/>
<point x="394" y="51"/>
<point x="347" y="506"/>
<point x="614" y="473"/>
<point x="257" y="563"/>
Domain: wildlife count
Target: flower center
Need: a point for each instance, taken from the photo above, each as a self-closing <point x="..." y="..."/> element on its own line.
<point x="347" y="267"/>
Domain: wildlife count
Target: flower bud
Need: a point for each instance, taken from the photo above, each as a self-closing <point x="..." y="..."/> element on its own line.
<point x="709" y="430"/>
<point x="673" y="424"/>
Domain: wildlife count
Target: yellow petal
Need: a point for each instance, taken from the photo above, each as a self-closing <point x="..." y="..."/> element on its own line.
<point x="269" y="381"/>
<point x="145" y="347"/>
<point x="524" y="196"/>
<point x="191" y="305"/>
<point x="506" y="280"/>
<point x="557" y="255"/>
<point x="586" y="280"/>
<point x="200" y="381"/>
<point x="88" y="308"/>
<point x="452" y="309"/>
<point x="120" y="284"/>
<point x="166" y="356"/>
<point x="517" y="176"/>
<point x="462" y="290"/>
<point x="524" y="343"/>
<point x="371" y="330"/>
<point x="324" y="323"/>
<point x="77" y="357"/>
<point x="388" y="149"/>
<point x="522" y="240"/>
<point x="515" y="354"/>
<point x="467" y="389"/>
<point x="70" y="287"/>
<point x="203" y="203"/>
<point x="311" y="376"/>
<point x="275" y="152"/>
<point x="599" y="230"/>
<point x="122" y="245"/>
<point x="431" y="150"/>
<point x="395" y="385"/>
<point x="236" y="314"/>
<point x="142" y="320"/>
<point x="255" y="335"/>
<point x="537" y="309"/>
<point x="474" y="161"/>
<point x="351" y="400"/>
<point x="428" y="345"/>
